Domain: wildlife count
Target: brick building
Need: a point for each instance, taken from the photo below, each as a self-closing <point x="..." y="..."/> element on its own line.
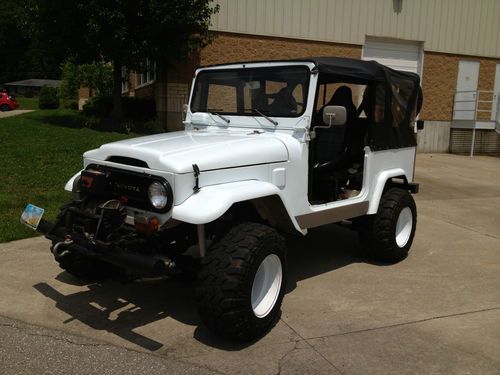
<point x="454" y="45"/>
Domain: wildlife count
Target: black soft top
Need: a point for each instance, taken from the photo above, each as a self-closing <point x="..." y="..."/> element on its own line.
<point x="342" y="67"/>
<point x="401" y="93"/>
<point x="401" y="96"/>
<point x="362" y="70"/>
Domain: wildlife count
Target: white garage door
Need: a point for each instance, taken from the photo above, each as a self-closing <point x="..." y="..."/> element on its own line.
<point x="397" y="54"/>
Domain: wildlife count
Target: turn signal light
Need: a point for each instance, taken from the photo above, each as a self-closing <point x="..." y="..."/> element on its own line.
<point x="146" y="225"/>
<point x="86" y="181"/>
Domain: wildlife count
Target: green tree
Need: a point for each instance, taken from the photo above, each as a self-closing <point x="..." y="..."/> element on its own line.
<point x="14" y="44"/>
<point x="176" y="30"/>
<point x="70" y="81"/>
<point x="98" y="77"/>
<point x="122" y="32"/>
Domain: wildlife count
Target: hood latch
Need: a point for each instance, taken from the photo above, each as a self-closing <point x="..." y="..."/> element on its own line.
<point x="196" y="171"/>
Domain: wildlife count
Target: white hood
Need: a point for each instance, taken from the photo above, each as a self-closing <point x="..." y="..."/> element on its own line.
<point x="176" y="152"/>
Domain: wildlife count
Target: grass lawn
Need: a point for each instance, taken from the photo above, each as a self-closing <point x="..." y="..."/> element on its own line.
<point x="39" y="153"/>
<point x="27" y="103"/>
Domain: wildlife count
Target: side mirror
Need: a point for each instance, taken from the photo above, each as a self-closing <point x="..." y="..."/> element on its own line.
<point x="202" y="118"/>
<point x="334" y="115"/>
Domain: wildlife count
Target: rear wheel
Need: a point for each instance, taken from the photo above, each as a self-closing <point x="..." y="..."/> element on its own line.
<point x="388" y="235"/>
<point x="4" y="108"/>
<point x="242" y="282"/>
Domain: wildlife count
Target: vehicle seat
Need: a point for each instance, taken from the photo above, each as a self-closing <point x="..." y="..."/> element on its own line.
<point x="331" y="143"/>
<point x="284" y="103"/>
<point x="259" y="100"/>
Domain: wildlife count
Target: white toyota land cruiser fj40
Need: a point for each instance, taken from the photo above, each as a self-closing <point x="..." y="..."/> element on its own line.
<point x="268" y="148"/>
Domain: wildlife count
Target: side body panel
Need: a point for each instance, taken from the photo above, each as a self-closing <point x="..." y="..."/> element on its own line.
<point x="379" y="166"/>
<point x="216" y="196"/>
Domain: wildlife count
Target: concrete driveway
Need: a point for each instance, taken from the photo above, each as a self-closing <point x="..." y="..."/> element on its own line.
<point x="436" y="312"/>
<point x="15" y="112"/>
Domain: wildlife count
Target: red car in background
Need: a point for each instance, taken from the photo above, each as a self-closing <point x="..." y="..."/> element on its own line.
<point x="7" y="102"/>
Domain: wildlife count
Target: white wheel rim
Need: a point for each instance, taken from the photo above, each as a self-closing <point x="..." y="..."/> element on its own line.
<point x="266" y="285"/>
<point x="404" y="226"/>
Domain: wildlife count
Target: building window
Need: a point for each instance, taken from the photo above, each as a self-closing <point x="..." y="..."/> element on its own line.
<point x="146" y="75"/>
<point x="125" y="80"/>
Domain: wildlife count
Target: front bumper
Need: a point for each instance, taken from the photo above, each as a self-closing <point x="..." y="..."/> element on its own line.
<point x="119" y="252"/>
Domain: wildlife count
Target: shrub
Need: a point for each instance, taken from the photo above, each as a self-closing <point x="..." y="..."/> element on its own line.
<point x="107" y="124"/>
<point x="48" y="98"/>
<point x="139" y="115"/>
<point x="148" y="127"/>
<point x="139" y="108"/>
<point x="98" y="106"/>
<point x="134" y="108"/>
<point x="70" y="104"/>
<point x="92" y="122"/>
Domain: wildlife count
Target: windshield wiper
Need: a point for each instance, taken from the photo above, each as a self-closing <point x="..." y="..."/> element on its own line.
<point x="222" y="117"/>
<point x="274" y="122"/>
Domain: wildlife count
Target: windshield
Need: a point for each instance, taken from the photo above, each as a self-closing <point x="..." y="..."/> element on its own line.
<point x="277" y="91"/>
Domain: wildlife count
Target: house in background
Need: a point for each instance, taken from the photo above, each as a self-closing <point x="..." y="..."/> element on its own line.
<point x="453" y="45"/>
<point x="30" y="87"/>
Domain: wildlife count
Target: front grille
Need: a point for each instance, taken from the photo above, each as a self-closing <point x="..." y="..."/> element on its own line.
<point x="131" y="188"/>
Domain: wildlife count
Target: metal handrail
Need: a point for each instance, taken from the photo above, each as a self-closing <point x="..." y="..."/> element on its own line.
<point x="477" y="110"/>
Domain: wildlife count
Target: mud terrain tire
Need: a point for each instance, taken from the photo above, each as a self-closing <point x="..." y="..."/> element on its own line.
<point x="242" y="282"/>
<point x="388" y="235"/>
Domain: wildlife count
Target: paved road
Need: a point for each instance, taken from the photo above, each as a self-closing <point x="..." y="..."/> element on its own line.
<point x="15" y="112"/>
<point x="436" y="312"/>
<point x="29" y="349"/>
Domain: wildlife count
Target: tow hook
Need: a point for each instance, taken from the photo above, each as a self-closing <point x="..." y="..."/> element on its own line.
<point x="60" y="249"/>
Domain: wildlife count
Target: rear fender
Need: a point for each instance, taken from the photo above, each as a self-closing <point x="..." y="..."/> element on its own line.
<point x="382" y="179"/>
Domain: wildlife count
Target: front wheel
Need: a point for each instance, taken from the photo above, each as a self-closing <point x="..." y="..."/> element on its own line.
<point x="387" y="236"/>
<point x="4" y="108"/>
<point x="242" y="282"/>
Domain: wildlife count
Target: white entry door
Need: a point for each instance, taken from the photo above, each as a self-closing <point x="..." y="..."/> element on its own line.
<point x="495" y="110"/>
<point x="465" y="96"/>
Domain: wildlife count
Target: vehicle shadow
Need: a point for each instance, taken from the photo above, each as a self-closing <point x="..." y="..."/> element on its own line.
<point x="323" y="250"/>
<point x="120" y="308"/>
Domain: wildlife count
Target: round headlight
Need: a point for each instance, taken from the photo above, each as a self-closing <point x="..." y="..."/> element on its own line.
<point x="158" y="195"/>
